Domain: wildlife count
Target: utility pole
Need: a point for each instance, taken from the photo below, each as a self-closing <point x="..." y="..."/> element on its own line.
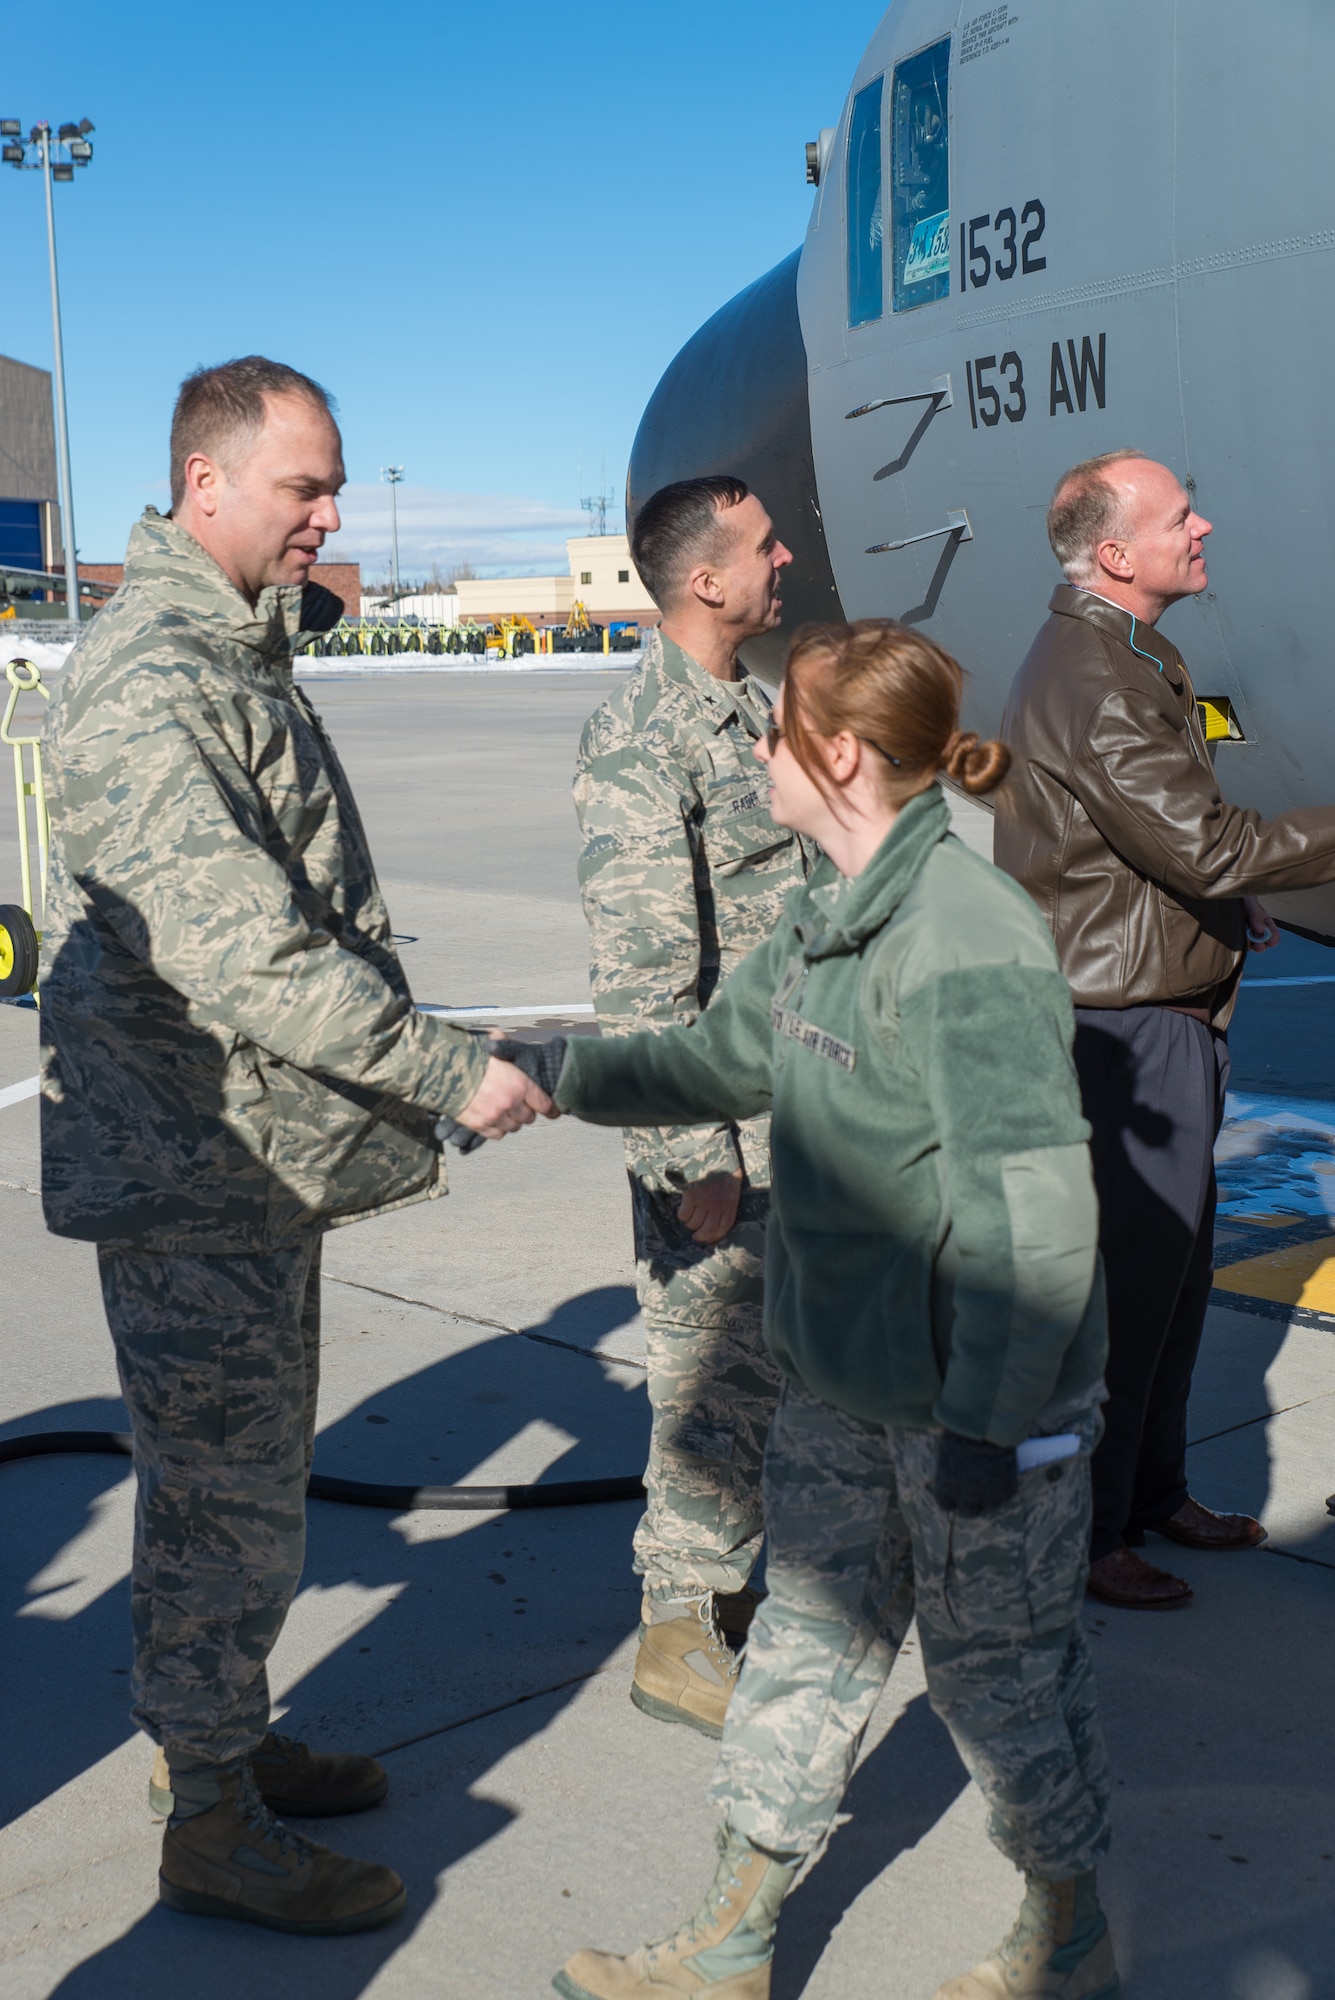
<point x="393" y="474"/>
<point x="77" y="151"/>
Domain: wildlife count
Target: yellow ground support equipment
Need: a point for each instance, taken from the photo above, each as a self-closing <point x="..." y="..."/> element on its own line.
<point x="518" y="635"/>
<point x="20" y="940"/>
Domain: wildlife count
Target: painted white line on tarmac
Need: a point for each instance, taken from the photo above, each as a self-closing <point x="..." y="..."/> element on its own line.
<point x="467" y="663"/>
<point x="570" y="1012"/>
<point x="576" y="1009"/>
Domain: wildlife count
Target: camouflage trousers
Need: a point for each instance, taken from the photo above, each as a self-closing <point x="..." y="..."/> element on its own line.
<point x="712" y="1392"/>
<point x="219" y="1362"/>
<point x="857" y="1543"/>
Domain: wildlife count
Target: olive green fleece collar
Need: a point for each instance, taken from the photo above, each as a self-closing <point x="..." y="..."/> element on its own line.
<point x="835" y="924"/>
<point x="165" y="560"/>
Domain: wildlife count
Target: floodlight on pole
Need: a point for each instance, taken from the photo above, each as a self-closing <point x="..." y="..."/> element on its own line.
<point x="56" y="158"/>
<point x="393" y="474"/>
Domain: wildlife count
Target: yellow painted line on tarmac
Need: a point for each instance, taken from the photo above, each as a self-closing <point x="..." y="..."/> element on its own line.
<point x="1303" y="1274"/>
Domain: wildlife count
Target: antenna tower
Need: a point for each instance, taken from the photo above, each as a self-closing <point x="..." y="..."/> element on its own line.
<point x="596" y="505"/>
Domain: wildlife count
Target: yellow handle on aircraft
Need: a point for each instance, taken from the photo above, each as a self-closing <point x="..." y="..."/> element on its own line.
<point x="1218" y="720"/>
<point x="25" y="678"/>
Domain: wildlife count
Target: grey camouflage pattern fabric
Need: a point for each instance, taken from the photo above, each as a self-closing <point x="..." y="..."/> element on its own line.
<point x="682" y="872"/>
<point x="219" y="1362"/>
<point x="857" y="1544"/>
<point x="712" y="1388"/>
<point x="230" y="1053"/>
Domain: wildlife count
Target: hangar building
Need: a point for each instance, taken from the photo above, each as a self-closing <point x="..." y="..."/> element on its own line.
<point x="29" y="510"/>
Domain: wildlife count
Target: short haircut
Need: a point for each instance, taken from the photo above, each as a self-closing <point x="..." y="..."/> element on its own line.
<point x="220" y="411"/>
<point x="1086" y="509"/>
<point x="679" y="526"/>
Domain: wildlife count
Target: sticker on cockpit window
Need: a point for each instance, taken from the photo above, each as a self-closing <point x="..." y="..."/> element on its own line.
<point x="929" y="249"/>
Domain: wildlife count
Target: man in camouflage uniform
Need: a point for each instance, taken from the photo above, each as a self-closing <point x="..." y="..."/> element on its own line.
<point x="231" y="1064"/>
<point x="683" y="871"/>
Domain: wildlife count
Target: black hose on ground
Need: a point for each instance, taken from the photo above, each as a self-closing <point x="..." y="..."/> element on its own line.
<point x="359" y="1492"/>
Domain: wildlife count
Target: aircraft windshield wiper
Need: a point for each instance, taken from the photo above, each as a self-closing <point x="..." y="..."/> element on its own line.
<point x="939" y="395"/>
<point x="957" y="524"/>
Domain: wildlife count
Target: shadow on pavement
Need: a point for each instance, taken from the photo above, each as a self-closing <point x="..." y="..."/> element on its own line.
<point x="68" y="1677"/>
<point x="483" y="1617"/>
<point x="898" y="1794"/>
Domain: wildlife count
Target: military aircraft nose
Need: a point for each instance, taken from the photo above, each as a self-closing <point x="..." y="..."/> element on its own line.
<point x="735" y="400"/>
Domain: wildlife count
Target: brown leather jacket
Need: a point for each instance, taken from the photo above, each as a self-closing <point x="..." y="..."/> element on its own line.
<point x="1112" y="820"/>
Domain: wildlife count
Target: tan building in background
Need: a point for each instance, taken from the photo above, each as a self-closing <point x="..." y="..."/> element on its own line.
<point x="601" y="577"/>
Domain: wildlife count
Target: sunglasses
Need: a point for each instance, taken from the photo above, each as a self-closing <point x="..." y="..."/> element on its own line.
<point x="774" y="737"/>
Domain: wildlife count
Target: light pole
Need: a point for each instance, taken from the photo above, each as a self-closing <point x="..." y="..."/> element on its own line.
<point x="71" y="148"/>
<point x="393" y="473"/>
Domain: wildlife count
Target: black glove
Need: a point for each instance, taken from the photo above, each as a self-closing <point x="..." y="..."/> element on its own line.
<point x="541" y="1062"/>
<point x="973" y="1477"/>
<point x="462" y="1136"/>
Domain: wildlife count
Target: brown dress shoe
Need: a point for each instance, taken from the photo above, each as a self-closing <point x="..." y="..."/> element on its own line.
<point x="1132" y="1584"/>
<point x="1196" y="1527"/>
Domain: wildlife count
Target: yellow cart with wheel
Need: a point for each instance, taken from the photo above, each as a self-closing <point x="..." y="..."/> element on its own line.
<point x="20" y="939"/>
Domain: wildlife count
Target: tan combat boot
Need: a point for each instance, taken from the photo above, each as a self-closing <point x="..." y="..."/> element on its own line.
<point x="685" y="1670"/>
<point x="296" y="1781"/>
<point x="724" y="1952"/>
<point x="733" y="1611"/>
<point x="1059" y="1949"/>
<point x="232" y="1858"/>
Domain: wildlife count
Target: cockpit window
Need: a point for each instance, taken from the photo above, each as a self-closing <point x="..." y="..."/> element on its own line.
<point x="866" y="274"/>
<point x="920" y="177"/>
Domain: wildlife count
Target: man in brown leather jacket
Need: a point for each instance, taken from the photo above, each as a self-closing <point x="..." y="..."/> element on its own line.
<point x="1112" y="820"/>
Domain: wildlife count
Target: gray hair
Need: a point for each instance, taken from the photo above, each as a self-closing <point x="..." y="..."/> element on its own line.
<point x="1086" y="509"/>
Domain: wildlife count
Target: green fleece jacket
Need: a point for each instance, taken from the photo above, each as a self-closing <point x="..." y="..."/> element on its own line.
<point x="933" y="1242"/>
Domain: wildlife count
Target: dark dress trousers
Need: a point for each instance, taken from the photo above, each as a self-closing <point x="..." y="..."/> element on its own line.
<point x="1112" y="820"/>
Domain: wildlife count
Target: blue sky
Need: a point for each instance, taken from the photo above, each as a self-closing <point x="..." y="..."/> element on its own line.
<point x="486" y="229"/>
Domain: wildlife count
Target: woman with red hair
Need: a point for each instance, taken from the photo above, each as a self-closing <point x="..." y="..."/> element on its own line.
<point x="934" y="1299"/>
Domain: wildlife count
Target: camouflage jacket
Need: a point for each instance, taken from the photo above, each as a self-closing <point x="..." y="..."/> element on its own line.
<point x="230" y="1052"/>
<point x="683" y="872"/>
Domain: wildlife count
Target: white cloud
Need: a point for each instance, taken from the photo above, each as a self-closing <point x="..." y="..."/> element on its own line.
<point x="495" y="532"/>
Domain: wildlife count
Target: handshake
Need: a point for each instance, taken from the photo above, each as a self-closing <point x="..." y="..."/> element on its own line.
<point x="518" y="1084"/>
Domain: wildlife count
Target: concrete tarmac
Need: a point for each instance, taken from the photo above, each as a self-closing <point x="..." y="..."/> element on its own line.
<point x="493" y="1337"/>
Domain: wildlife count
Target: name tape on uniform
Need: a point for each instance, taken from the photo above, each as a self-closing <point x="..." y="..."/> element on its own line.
<point x="808" y="1036"/>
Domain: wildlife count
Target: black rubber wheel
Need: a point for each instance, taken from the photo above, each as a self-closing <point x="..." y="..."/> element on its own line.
<point x="18" y="952"/>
